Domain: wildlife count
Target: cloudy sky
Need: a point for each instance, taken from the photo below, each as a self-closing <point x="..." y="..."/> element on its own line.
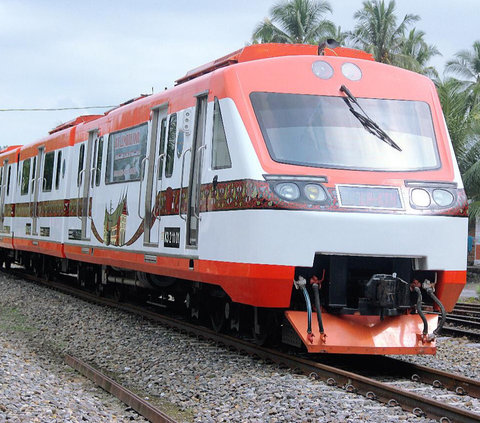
<point x="65" y="53"/>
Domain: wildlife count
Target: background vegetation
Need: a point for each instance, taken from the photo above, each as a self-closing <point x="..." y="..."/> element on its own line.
<point x="396" y="42"/>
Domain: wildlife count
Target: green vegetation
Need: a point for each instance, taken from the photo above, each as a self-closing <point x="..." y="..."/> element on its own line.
<point x="399" y="43"/>
<point x="11" y="320"/>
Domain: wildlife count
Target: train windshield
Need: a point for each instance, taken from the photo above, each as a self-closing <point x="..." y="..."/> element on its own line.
<point x="320" y="131"/>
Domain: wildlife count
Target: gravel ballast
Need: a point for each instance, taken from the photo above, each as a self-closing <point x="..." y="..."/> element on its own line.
<point x="191" y="380"/>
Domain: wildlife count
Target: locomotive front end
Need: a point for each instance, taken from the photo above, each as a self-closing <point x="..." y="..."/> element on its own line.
<point x="369" y="204"/>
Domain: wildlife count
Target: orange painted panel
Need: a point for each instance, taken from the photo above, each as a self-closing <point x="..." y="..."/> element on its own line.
<point x="254" y="284"/>
<point x="365" y="334"/>
<point x="6" y="242"/>
<point x="36" y="246"/>
<point x="449" y="287"/>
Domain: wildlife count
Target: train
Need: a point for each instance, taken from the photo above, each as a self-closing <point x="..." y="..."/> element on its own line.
<point x="306" y="194"/>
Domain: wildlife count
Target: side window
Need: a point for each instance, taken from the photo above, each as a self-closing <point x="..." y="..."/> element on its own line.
<point x="48" y="171"/>
<point x="58" y="169"/>
<point x="80" y="162"/>
<point x="98" y="170"/>
<point x="9" y="177"/>
<point x="125" y="153"/>
<point x="220" y="153"/>
<point x="172" y="132"/>
<point x="34" y="169"/>
<point x="163" y="134"/>
<point x="25" y="177"/>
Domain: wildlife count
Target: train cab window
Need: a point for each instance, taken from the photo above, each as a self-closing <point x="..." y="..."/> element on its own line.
<point x="80" y="163"/>
<point x="25" y="177"/>
<point x="172" y="132"/>
<point x="161" y="149"/>
<point x="48" y="171"/>
<point x="58" y="169"/>
<point x="220" y="152"/>
<point x="9" y="177"/>
<point x="98" y="169"/>
<point x="126" y="152"/>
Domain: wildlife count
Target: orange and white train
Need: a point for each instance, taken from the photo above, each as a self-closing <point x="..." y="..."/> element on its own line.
<point x="271" y="178"/>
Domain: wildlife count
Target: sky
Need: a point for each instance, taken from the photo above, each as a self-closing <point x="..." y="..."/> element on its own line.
<point x="65" y="53"/>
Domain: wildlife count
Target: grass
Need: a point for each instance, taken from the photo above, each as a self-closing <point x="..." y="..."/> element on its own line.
<point x="12" y="320"/>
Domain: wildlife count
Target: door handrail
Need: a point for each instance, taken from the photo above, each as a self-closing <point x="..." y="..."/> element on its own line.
<point x="159" y="173"/>
<point x="142" y="177"/>
<point x="181" y="184"/>
<point x="79" y="184"/>
<point x="197" y="161"/>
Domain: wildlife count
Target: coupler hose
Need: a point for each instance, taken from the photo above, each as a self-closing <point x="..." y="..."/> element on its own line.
<point x="430" y="288"/>
<point x="316" y="296"/>
<point x="420" y="311"/>
<point x="302" y="284"/>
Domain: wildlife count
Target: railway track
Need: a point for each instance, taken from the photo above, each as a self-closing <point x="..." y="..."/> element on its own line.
<point x="349" y="375"/>
<point x="464" y="321"/>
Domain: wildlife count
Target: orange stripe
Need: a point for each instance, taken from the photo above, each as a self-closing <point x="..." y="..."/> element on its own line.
<point x="50" y="248"/>
<point x="254" y="284"/>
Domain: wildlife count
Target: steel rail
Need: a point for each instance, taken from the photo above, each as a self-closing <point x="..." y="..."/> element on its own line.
<point x="151" y="413"/>
<point x="467" y="306"/>
<point x="475" y="324"/>
<point x="349" y="381"/>
<point x="437" y="378"/>
<point x="454" y="331"/>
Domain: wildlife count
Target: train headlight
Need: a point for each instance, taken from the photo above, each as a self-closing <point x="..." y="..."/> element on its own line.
<point x="314" y="193"/>
<point x="288" y="191"/>
<point x="322" y="69"/>
<point x="420" y="197"/>
<point x="351" y="71"/>
<point x="443" y="197"/>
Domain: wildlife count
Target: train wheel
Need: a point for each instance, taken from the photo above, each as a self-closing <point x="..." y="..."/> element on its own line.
<point x="37" y="266"/>
<point x="98" y="286"/>
<point x="262" y="326"/>
<point x="118" y="293"/>
<point x="219" y="314"/>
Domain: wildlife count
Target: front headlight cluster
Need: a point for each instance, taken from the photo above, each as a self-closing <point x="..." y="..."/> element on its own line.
<point x="422" y="197"/>
<point x="301" y="191"/>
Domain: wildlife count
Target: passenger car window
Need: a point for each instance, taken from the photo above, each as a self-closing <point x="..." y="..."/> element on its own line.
<point x="161" y="150"/>
<point x="8" y="179"/>
<point x="98" y="170"/>
<point x="172" y="132"/>
<point x="125" y="153"/>
<point x="59" y="167"/>
<point x="48" y="171"/>
<point x="80" y="163"/>
<point x="25" y="177"/>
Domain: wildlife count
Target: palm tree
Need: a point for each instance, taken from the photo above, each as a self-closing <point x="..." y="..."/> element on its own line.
<point x="295" y="21"/>
<point x="377" y="32"/>
<point x="467" y="64"/>
<point x="461" y="109"/>
<point x="416" y="53"/>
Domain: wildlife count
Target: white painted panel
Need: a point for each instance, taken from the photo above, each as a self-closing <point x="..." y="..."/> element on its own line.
<point x="293" y="237"/>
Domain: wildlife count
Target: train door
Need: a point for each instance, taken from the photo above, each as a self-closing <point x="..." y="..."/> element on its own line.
<point x="154" y="176"/>
<point x="36" y="184"/>
<point x="3" y="190"/>
<point x="87" y="168"/>
<point x="198" y="144"/>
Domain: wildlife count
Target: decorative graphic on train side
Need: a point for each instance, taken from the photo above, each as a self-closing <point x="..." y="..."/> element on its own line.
<point x="115" y="222"/>
<point x="126" y="151"/>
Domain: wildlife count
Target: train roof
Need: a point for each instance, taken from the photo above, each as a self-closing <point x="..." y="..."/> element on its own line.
<point x="269" y="50"/>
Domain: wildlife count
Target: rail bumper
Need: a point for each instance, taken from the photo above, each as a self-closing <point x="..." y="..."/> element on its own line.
<point x="352" y="334"/>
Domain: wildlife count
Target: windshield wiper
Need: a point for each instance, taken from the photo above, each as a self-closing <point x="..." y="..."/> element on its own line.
<point x="365" y="120"/>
